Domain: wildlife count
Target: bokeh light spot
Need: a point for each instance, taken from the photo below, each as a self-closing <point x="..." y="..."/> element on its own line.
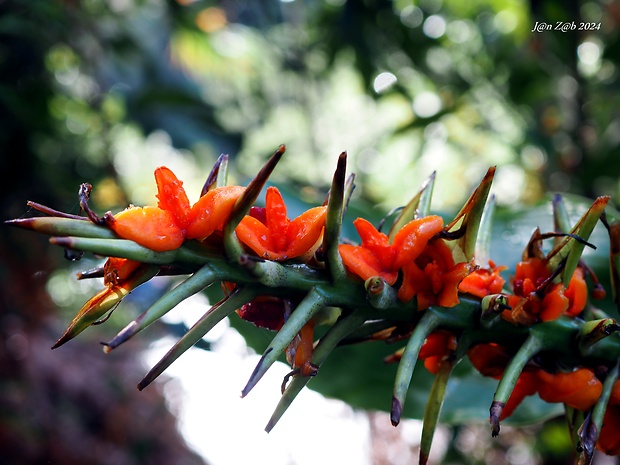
<point x="426" y="104"/>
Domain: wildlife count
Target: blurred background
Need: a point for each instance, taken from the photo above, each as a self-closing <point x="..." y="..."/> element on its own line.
<point x="104" y="91"/>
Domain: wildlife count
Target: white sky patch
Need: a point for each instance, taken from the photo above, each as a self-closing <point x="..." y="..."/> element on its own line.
<point x="226" y="429"/>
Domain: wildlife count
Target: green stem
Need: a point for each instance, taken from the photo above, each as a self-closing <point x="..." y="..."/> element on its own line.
<point x="273" y="274"/>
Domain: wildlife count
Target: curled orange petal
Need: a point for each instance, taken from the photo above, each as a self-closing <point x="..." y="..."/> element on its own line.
<point x="554" y="304"/>
<point x="253" y="233"/>
<point x="212" y="211"/>
<point x="172" y="196"/>
<point x="577" y="293"/>
<point x="363" y="263"/>
<point x="579" y="389"/>
<point x="304" y="231"/>
<point x="151" y="227"/>
<point x="412" y="238"/>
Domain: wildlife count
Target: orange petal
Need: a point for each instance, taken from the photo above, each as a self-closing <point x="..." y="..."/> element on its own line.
<point x="277" y="221"/>
<point x="376" y="242"/>
<point x="414" y="281"/>
<point x="304" y="231"/>
<point x="489" y="359"/>
<point x="172" y="196"/>
<point x="526" y="386"/>
<point x="577" y="293"/>
<point x="476" y="283"/>
<point x="449" y="296"/>
<point x="437" y="343"/>
<point x="554" y="304"/>
<point x="212" y="211"/>
<point x="116" y="270"/>
<point x="303" y="354"/>
<point x="151" y="227"/>
<point x="579" y="389"/>
<point x="609" y="440"/>
<point x="255" y="235"/>
<point x="363" y="263"/>
<point x="412" y="238"/>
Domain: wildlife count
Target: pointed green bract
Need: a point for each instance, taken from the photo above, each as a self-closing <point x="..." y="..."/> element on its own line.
<point x="467" y="222"/>
<point x="571" y="249"/>
<point x="333" y="221"/>
<point x="483" y="240"/>
<point x="427" y="324"/>
<point x="195" y="283"/>
<point x="561" y="220"/>
<point x="233" y="246"/>
<point x="591" y="428"/>
<point x="64" y="227"/>
<point x="216" y="313"/>
<point x="530" y="347"/>
<point x="418" y="206"/>
<point x="433" y="407"/>
<point x="313" y="302"/>
<point x="326" y="344"/>
<point x="103" y="302"/>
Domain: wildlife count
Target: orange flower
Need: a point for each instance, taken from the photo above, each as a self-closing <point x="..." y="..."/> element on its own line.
<point x="437" y="346"/>
<point x="278" y="238"/>
<point x="433" y="277"/>
<point x="484" y="281"/>
<point x="167" y="225"/>
<point x="428" y="267"/>
<point x="532" y="302"/>
<point x="579" y="389"/>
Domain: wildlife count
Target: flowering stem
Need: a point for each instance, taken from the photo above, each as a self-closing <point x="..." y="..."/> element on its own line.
<point x="195" y="283"/>
<point x="273" y="274"/>
<point x="214" y="315"/>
